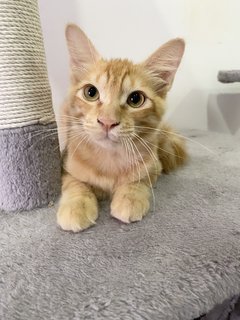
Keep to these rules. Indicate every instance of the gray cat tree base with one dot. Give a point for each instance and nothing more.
(177, 264)
(29, 167)
(30, 157)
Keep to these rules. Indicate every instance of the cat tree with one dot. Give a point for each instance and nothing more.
(171, 270)
(30, 158)
(229, 76)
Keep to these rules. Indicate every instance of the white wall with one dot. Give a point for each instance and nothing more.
(134, 28)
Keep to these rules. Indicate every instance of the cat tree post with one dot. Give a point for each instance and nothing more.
(29, 158)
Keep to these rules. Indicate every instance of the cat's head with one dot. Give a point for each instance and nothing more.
(111, 100)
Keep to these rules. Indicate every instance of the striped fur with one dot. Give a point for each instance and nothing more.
(126, 161)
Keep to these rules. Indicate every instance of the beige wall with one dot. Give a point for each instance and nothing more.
(134, 28)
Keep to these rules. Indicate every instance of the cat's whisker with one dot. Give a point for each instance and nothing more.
(45, 131)
(73, 136)
(74, 126)
(178, 135)
(149, 150)
(126, 148)
(172, 154)
(190, 140)
(58, 147)
(85, 137)
(40, 132)
(130, 159)
(123, 142)
(48, 132)
(42, 138)
(67, 116)
(48, 129)
(134, 165)
(135, 159)
(69, 122)
(69, 119)
(145, 144)
(147, 172)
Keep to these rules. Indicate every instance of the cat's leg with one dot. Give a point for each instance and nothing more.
(130, 202)
(99, 193)
(78, 208)
(172, 149)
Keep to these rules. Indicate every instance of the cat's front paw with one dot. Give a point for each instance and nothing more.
(77, 216)
(129, 207)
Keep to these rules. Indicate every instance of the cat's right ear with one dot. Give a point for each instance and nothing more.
(81, 50)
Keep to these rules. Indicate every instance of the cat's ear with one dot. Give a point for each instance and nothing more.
(164, 62)
(82, 52)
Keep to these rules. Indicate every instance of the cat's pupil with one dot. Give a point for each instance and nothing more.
(135, 97)
(92, 92)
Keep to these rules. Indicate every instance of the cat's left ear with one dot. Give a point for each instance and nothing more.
(164, 62)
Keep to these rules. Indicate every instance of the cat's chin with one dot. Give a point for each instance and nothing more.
(107, 143)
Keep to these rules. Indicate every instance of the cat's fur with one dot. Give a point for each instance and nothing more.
(123, 157)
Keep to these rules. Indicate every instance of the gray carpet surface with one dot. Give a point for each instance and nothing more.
(30, 174)
(176, 264)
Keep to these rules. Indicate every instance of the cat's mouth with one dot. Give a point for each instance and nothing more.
(110, 137)
(107, 139)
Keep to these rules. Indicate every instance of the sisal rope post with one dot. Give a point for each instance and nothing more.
(30, 157)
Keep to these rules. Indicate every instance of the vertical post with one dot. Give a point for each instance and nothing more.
(29, 152)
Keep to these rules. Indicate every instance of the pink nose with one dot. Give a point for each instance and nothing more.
(107, 124)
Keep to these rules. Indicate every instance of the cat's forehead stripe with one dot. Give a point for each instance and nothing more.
(102, 87)
(116, 80)
(103, 79)
(126, 83)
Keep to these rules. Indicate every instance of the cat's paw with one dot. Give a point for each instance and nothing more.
(129, 208)
(77, 216)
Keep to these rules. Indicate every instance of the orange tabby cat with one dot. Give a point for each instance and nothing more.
(116, 143)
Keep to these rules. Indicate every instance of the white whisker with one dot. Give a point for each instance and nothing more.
(178, 135)
(135, 162)
(145, 145)
(147, 172)
(85, 137)
(124, 144)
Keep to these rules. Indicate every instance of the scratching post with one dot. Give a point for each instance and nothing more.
(29, 158)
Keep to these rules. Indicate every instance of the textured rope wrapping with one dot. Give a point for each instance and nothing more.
(25, 96)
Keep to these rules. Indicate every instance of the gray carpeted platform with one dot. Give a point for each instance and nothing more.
(175, 265)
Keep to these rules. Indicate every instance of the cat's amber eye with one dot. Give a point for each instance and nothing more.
(90, 93)
(136, 99)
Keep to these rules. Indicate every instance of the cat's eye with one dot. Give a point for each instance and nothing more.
(90, 93)
(136, 99)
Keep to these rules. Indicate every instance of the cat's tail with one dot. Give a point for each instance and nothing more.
(172, 149)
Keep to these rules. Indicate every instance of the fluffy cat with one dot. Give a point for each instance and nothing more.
(116, 143)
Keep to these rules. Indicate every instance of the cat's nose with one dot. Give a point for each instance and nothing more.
(107, 124)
